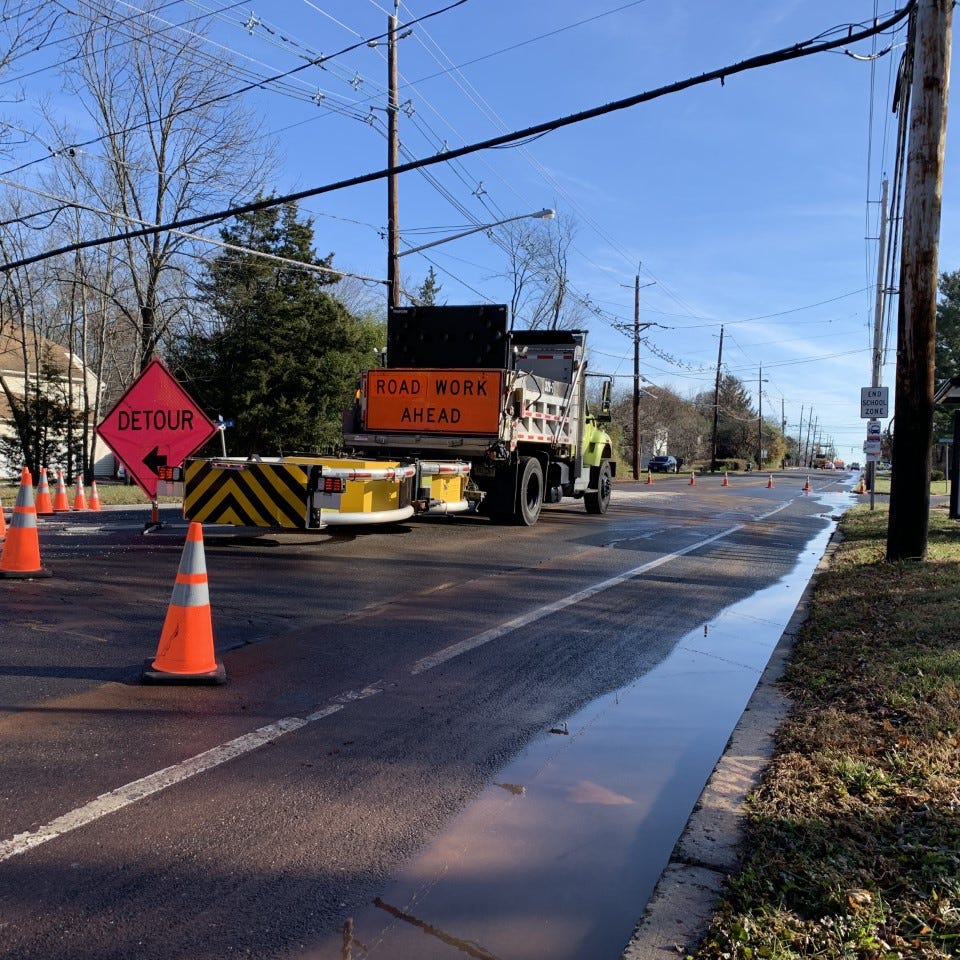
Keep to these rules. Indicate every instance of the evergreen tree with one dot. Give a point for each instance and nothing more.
(427, 294)
(736, 421)
(280, 355)
(947, 360)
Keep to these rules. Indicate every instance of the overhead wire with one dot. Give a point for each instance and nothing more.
(229, 94)
(795, 51)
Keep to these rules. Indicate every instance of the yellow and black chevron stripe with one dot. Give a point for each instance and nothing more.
(249, 494)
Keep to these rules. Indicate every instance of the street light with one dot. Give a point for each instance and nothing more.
(545, 214)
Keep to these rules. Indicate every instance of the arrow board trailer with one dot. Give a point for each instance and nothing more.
(311, 493)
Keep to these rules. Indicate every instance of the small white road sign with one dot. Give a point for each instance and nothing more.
(874, 402)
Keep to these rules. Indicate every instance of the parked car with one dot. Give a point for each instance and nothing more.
(665, 464)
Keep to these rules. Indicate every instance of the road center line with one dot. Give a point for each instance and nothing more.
(479, 639)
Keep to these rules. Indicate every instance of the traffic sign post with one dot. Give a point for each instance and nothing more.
(154, 426)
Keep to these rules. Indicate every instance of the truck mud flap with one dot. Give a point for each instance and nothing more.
(253, 494)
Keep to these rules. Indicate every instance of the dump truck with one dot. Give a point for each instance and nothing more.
(504, 412)
(462, 415)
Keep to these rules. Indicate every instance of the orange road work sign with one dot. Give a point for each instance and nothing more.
(434, 401)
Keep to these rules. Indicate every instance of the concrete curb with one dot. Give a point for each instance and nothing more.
(682, 905)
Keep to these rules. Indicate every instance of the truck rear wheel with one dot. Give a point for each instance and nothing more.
(529, 491)
(599, 500)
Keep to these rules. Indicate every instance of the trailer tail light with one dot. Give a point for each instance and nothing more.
(332, 485)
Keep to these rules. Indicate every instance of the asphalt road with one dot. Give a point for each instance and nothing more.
(380, 685)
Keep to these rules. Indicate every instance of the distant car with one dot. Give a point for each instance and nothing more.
(854, 465)
(665, 464)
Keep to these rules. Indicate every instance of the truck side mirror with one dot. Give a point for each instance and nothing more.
(605, 392)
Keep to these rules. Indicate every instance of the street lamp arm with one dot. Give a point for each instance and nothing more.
(546, 214)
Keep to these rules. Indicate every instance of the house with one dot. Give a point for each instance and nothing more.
(26, 357)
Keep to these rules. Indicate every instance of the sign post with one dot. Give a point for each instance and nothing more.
(874, 403)
(155, 425)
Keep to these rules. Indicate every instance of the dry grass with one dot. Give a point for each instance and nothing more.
(853, 845)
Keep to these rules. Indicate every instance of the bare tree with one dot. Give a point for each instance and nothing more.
(175, 144)
(538, 271)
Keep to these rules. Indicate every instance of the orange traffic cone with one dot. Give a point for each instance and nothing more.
(806, 487)
(3, 523)
(726, 481)
(60, 500)
(94, 503)
(185, 652)
(693, 479)
(649, 477)
(80, 496)
(770, 482)
(44, 505)
(21, 548)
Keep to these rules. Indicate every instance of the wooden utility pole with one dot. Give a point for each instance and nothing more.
(393, 159)
(917, 313)
(636, 378)
(760, 383)
(716, 407)
(800, 439)
(637, 327)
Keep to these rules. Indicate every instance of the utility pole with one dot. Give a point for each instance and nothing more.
(716, 407)
(783, 427)
(760, 383)
(760, 420)
(917, 313)
(636, 377)
(878, 322)
(637, 327)
(393, 159)
(800, 439)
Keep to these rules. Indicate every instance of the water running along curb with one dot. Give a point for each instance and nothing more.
(678, 914)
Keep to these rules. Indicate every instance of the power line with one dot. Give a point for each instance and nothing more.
(319, 61)
(794, 52)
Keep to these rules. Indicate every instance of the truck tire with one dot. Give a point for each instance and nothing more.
(529, 491)
(598, 500)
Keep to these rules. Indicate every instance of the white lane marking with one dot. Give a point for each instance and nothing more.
(130, 793)
(123, 796)
(479, 639)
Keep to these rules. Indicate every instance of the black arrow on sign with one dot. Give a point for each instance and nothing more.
(153, 461)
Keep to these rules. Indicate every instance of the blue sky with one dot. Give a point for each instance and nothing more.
(748, 204)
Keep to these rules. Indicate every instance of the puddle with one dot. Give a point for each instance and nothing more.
(559, 856)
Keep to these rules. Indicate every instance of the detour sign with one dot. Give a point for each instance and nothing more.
(434, 401)
(155, 424)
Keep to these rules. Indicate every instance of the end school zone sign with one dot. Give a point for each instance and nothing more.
(434, 401)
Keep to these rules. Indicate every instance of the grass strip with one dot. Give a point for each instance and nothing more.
(853, 842)
(111, 494)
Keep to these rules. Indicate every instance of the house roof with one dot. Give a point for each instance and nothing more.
(39, 349)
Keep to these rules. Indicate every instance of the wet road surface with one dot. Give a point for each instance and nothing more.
(451, 739)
